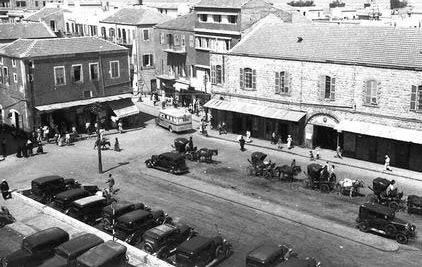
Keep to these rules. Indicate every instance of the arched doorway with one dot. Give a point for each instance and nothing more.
(14, 118)
(321, 130)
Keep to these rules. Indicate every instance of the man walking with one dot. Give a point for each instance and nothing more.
(242, 143)
(387, 164)
(289, 141)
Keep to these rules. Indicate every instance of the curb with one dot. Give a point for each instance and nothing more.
(136, 256)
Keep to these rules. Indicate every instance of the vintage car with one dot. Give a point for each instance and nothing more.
(66, 253)
(267, 255)
(108, 254)
(115, 210)
(43, 189)
(171, 162)
(380, 219)
(319, 179)
(414, 204)
(88, 209)
(36, 248)
(131, 226)
(161, 240)
(202, 251)
(62, 201)
(393, 200)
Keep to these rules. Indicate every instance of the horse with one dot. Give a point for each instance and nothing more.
(206, 154)
(103, 143)
(289, 171)
(350, 185)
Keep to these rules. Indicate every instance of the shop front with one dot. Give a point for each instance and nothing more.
(321, 131)
(260, 120)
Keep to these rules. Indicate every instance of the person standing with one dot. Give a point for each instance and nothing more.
(110, 182)
(273, 138)
(219, 128)
(279, 143)
(120, 126)
(5, 190)
(242, 143)
(289, 141)
(338, 152)
(387, 164)
(116, 145)
(3, 147)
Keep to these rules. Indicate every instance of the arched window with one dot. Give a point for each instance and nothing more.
(111, 33)
(103, 32)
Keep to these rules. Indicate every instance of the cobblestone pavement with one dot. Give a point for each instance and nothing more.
(242, 226)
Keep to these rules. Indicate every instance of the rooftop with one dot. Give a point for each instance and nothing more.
(13, 31)
(182, 23)
(26, 48)
(42, 13)
(222, 3)
(136, 16)
(343, 44)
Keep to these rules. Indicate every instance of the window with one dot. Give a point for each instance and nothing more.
(217, 18)
(36, 3)
(216, 74)
(114, 69)
(282, 82)
(203, 17)
(93, 71)
(59, 76)
(111, 33)
(53, 25)
(176, 39)
(145, 35)
(183, 40)
(162, 38)
(5, 75)
(20, 3)
(67, 27)
(1, 60)
(232, 19)
(13, 62)
(147, 60)
(327, 87)
(15, 78)
(191, 41)
(77, 73)
(416, 98)
(371, 97)
(248, 79)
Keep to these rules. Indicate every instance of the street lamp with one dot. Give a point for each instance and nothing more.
(98, 109)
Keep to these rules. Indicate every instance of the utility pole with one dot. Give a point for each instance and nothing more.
(97, 108)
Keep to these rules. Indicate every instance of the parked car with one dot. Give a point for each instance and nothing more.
(170, 161)
(88, 209)
(62, 201)
(108, 254)
(115, 210)
(43, 189)
(381, 219)
(161, 240)
(66, 253)
(202, 251)
(267, 255)
(36, 248)
(131, 226)
(414, 204)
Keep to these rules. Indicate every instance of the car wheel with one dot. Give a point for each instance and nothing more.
(149, 164)
(170, 129)
(390, 230)
(324, 188)
(363, 226)
(402, 238)
(148, 248)
(394, 205)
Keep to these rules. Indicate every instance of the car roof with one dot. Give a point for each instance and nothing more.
(194, 244)
(117, 207)
(46, 179)
(86, 200)
(100, 254)
(134, 216)
(71, 193)
(46, 236)
(378, 208)
(264, 252)
(79, 244)
(172, 155)
(161, 230)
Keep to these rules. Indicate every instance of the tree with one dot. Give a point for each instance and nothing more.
(301, 3)
(337, 3)
(395, 4)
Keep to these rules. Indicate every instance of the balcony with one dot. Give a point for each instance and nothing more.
(181, 50)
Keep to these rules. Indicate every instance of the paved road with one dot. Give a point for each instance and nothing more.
(243, 226)
(9, 241)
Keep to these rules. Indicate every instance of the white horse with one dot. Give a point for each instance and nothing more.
(348, 185)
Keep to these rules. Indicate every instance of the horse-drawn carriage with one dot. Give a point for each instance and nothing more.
(350, 187)
(393, 199)
(260, 167)
(181, 145)
(320, 178)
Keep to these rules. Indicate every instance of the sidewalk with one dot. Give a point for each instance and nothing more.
(326, 155)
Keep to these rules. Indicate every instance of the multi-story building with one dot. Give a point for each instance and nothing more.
(170, 8)
(356, 87)
(133, 28)
(52, 16)
(10, 32)
(51, 81)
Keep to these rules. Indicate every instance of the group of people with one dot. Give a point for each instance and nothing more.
(277, 140)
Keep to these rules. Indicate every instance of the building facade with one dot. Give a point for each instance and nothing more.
(365, 97)
(54, 81)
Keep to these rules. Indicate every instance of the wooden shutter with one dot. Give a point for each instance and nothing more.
(254, 79)
(367, 90)
(413, 98)
(321, 87)
(288, 82)
(241, 79)
(213, 80)
(333, 89)
(277, 82)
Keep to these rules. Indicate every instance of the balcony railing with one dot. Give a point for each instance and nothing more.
(175, 49)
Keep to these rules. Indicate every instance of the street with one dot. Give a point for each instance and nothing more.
(243, 226)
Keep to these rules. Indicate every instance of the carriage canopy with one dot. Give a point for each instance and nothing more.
(258, 157)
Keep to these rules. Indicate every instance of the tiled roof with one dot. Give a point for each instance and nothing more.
(42, 13)
(350, 44)
(182, 23)
(25, 48)
(136, 16)
(13, 31)
(222, 3)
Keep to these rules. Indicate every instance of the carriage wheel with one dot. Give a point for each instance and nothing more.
(402, 238)
(324, 188)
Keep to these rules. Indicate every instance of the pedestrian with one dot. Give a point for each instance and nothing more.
(5, 190)
(248, 137)
(67, 139)
(273, 138)
(46, 133)
(339, 152)
(317, 152)
(387, 164)
(116, 145)
(390, 188)
(40, 149)
(332, 174)
(110, 183)
(29, 146)
(293, 164)
(279, 143)
(3, 147)
(219, 128)
(87, 127)
(120, 126)
(289, 141)
(242, 143)
(223, 128)
(19, 152)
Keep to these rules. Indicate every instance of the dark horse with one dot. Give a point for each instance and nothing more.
(103, 143)
(288, 171)
(206, 154)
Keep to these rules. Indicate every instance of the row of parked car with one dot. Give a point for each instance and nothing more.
(151, 230)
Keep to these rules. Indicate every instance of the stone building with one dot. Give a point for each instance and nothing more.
(356, 87)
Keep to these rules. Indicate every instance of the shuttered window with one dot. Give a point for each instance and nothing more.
(327, 88)
(416, 98)
(248, 79)
(282, 82)
(371, 92)
(213, 81)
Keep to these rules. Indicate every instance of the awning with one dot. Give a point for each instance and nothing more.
(82, 102)
(388, 132)
(257, 110)
(123, 108)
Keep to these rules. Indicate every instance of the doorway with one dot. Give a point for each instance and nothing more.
(325, 137)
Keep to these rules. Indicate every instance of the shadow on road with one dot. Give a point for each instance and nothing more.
(117, 166)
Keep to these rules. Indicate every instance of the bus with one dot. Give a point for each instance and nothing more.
(175, 120)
